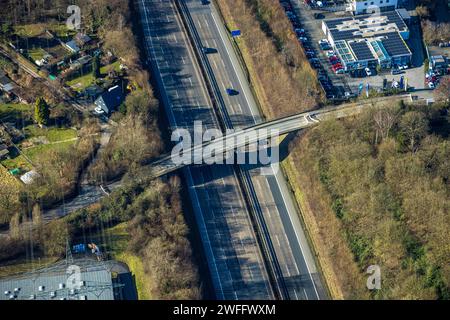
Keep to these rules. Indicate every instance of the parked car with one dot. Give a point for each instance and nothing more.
(368, 72)
(395, 71)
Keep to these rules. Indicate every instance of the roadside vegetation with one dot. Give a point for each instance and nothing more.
(283, 79)
(431, 13)
(143, 226)
(375, 189)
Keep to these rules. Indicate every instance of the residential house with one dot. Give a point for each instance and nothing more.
(110, 100)
(4, 152)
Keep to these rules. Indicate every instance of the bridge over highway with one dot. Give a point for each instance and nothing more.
(244, 137)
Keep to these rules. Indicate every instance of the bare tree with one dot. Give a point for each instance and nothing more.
(414, 126)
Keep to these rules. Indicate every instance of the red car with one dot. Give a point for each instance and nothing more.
(337, 67)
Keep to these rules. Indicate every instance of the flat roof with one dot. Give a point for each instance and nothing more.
(361, 50)
(54, 284)
(368, 25)
(344, 51)
(394, 44)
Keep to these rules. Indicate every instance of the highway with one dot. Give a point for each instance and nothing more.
(234, 258)
(276, 202)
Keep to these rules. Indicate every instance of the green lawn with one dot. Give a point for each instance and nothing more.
(114, 241)
(34, 152)
(82, 82)
(36, 54)
(113, 66)
(14, 110)
(18, 162)
(23, 265)
(57, 140)
(52, 134)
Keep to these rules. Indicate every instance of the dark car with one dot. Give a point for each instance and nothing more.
(232, 92)
(207, 50)
(205, 2)
(318, 16)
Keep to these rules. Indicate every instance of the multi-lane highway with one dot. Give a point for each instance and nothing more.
(279, 210)
(234, 258)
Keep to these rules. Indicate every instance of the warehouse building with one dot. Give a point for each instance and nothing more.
(368, 41)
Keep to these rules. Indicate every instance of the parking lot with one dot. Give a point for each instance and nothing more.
(308, 20)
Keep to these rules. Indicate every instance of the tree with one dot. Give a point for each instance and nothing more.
(5, 31)
(96, 67)
(414, 126)
(422, 12)
(37, 215)
(442, 92)
(41, 111)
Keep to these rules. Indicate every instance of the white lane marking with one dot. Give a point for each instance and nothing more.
(296, 234)
(175, 38)
(190, 82)
(307, 298)
(239, 107)
(199, 24)
(191, 181)
(206, 23)
(182, 60)
(295, 293)
(215, 64)
(278, 240)
(234, 68)
(215, 43)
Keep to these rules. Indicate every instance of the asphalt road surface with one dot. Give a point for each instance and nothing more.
(280, 213)
(233, 255)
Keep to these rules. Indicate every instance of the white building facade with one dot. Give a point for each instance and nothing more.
(372, 6)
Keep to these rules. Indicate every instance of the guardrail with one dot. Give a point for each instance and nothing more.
(271, 262)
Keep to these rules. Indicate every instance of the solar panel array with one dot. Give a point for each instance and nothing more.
(344, 52)
(394, 45)
(361, 50)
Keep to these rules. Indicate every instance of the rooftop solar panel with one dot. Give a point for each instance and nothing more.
(394, 45)
(361, 50)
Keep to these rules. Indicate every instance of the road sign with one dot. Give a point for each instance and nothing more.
(235, 33)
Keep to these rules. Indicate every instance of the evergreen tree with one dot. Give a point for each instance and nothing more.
(96, 67)
(41, 111)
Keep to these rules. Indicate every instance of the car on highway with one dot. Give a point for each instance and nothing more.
(207, 50)
(232, 92)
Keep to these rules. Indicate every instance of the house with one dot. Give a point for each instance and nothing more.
(82, 39)
(372, 6)
(110, 100)
(3, 151)
(29, 177)
(72, 46)
(5, 83)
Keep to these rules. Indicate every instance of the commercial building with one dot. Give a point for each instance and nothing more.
(81, 280)
(368, 41)
(372, 6)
